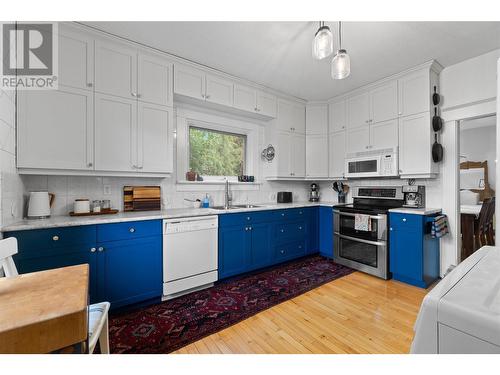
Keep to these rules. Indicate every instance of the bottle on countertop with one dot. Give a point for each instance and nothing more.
(206, 202)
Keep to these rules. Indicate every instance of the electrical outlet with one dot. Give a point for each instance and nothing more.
(107, 189)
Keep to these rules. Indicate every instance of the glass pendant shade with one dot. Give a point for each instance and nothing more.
(341, 65)
(323, 43)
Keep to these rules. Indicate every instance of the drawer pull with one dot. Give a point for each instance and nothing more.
(131, 230)
(100, 249)
(282, 214)
(300, 212)
(282, 251)
(55, 238)
(92, 249)
(282, 231)
(300, 246)
(404, 220)
(390, 228)
(300, 228)
(248, 217)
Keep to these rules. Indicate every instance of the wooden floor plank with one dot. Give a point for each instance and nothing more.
(357, 313)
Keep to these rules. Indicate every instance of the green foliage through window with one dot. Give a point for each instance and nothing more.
(214, 153)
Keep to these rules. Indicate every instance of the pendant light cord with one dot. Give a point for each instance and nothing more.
(340, 35)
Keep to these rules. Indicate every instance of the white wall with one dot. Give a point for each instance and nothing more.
(479, 144)
(11, 186)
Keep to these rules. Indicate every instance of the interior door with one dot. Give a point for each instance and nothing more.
(115, 134)
(384, 102)
(189, 82)
(384, 134)
(337, 155)
(154, 80)
(358, 110)
(219, 90)
(298, 154)
(55, 129)
(245, 98)
(76, 60)
(266, 104)
(154, 138)
(316, 150)
(115, 69)
(358, 140)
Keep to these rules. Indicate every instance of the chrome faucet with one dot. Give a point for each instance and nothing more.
(227, 196)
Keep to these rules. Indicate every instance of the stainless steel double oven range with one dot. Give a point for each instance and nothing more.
(365, 250)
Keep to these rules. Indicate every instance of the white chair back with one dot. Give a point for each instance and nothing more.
(8, 248)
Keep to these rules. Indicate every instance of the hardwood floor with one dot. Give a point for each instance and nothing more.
(354, 314)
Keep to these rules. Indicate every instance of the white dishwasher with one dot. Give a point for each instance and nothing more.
(189, 254)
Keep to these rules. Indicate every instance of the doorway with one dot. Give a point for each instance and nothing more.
(477, 181)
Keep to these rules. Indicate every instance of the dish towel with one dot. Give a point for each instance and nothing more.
(362, 222)
(439, 226)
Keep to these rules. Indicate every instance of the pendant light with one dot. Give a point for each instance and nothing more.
(323, 42)
(341, 63)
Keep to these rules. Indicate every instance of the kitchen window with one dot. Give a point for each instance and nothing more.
(214, 154)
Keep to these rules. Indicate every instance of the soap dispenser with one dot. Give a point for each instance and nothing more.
(206, 202)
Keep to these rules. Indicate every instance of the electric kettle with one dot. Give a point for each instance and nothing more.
(39, 204)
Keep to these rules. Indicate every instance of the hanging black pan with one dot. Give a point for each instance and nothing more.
(437, 150)
(435, 97)
(437, 122)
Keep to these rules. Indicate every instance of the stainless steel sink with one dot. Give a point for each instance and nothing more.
(236, 206)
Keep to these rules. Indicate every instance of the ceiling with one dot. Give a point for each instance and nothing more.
(278, 54)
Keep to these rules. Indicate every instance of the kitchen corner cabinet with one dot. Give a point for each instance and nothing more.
(337, 115)
(316, 150)
(125, 259)
(414, 255)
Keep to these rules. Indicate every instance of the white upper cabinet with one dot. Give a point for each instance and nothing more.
(358, 140)
(154, 80)
(316, 155)
(384, 134)
(115, 134)
(384, 102)
(266, 104)
(337, 115)
(317, 119)
(55, 129)
(414, 93)
(76, 59)
(115, 69)
(154, 138)
(415, 146)
(245, 98)
(337, 155)
(219, 90)
(283, 155)
(189, 81)
(291, 116)
(298, 155)
(358, 110)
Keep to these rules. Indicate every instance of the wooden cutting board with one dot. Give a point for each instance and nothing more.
(141, 198)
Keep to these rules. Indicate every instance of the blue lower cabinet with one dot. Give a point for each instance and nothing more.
(130, 271)
(260, 254)
(124, 270)
(234, 243)
(326, 231)
(288, 251)
(413, 254)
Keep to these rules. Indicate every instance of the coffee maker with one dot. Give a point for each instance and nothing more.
(314, 193)
(414, 196)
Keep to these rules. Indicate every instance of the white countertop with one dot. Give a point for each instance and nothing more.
(173, 213)
(416, 211)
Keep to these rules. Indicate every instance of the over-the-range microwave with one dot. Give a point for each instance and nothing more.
(373, 163)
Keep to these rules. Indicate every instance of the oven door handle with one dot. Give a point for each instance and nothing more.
(375, 217)
(376, 243)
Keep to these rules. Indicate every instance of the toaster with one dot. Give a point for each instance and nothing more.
(285, 197)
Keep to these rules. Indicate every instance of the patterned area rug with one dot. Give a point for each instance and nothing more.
(170, 325)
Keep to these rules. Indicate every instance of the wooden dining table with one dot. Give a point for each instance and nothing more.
(45, 312)
(468, 217)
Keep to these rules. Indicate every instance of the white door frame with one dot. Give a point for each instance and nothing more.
(450, 139)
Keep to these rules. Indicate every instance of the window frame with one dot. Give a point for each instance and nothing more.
(192, 125)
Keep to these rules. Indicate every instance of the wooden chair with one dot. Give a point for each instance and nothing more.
(489, 230)
(98, 313)
(481, 224)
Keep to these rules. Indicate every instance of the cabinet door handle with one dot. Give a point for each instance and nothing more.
(250, 228)
(131, 230)
(55, 238)
(89, 84)
(282, 251)
(282, 231)
(92, 249)
(300, 228)
(138, 95)
(207, 96)
(300, 246)
(404, 220)
(134, 94)
(203, 96)
(390, 228)
(248, 217)
(89, 165)
(100, 249)
(282, 214)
